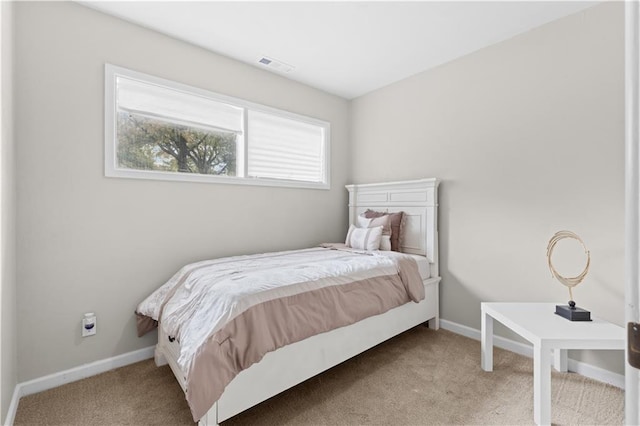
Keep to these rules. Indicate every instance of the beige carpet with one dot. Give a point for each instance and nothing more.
(420, 377)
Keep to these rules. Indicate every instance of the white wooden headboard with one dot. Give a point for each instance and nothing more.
(417, 198)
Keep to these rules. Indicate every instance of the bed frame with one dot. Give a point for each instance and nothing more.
(297, 362)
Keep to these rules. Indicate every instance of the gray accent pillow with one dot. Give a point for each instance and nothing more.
(397, 226)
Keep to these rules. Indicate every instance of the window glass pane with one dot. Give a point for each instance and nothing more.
(283, 148)
(151, 144)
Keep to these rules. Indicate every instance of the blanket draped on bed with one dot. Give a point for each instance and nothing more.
(228, 313)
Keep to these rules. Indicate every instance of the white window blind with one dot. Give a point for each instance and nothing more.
(282, 148)
(176, 106)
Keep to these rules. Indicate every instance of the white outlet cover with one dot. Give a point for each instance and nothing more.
(91, 331)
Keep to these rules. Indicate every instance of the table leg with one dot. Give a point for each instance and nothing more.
(541, 385)
(560, 361)
(486, 343)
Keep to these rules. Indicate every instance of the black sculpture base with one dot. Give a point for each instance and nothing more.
(572, 312)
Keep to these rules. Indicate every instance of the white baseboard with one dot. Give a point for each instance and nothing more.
(77, 373)
(582, 368)
(596, 373)
(13, 407)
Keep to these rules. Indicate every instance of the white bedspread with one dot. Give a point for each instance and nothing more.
(202, 297)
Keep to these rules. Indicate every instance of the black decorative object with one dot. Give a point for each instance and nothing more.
(572, 312)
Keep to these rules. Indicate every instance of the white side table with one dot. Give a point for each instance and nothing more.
(538, 323)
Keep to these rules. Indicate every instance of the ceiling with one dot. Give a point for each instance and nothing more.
(344, 48)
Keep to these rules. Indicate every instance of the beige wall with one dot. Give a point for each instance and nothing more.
(88, 243)
(528, 137)
(8, 323)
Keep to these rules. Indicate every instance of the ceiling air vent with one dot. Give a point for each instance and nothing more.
(275, 64)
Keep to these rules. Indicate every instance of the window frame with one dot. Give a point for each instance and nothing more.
(110, 159)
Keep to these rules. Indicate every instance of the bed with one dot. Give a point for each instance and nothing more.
(294, 363)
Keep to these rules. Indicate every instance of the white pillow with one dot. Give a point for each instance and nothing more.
(385, 240)
(364, 238)
(363, 222)
(385, 243)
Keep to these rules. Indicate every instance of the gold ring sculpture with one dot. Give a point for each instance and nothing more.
(571, 281)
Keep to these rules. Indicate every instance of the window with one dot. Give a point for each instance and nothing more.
(158, 129)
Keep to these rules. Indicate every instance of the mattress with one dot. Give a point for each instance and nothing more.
(423, 265)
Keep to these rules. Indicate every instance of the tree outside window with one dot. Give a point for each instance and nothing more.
(151, 144)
